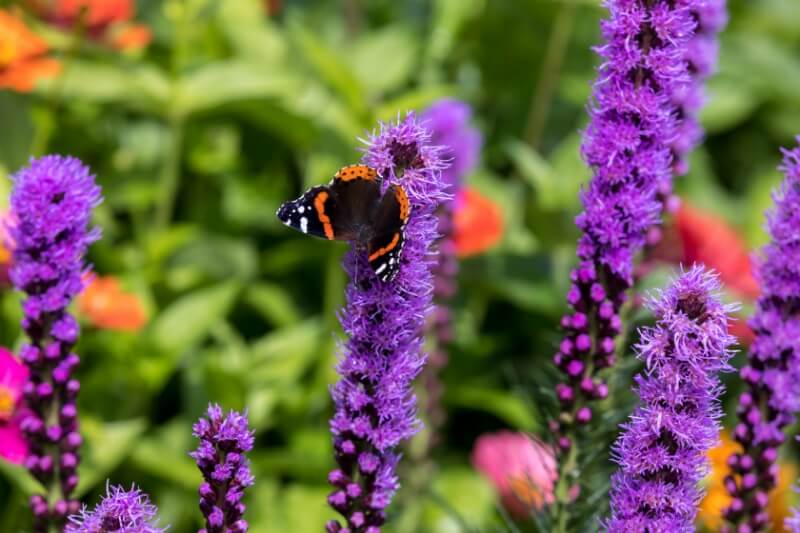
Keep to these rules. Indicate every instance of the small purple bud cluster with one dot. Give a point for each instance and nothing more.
(374, 401)
(448, 122)
(771, 400)
(120, 511)
(662, 452)
(702, 52)
(52, 201)
(224, 441)
(627, 144)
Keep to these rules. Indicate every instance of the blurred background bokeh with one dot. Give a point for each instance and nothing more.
(200, 117)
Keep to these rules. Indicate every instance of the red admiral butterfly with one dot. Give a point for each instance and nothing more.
(351, 208)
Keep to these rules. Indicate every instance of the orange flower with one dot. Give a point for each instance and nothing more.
(105, 20)
(107, 306)
(478, 223)
(709, 239)
(717, 498)
(22, 55)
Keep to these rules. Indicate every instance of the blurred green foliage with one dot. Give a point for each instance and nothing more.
(228, 112)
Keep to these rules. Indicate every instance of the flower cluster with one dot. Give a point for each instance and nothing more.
(23, 55)
(702, 52)
(52, 200)
(120, 511)
(627, 144)
(224, 441)
(772, 373)
(662, 452)
(106, 21)
(448, 123)
(521, 469)
(375, 407)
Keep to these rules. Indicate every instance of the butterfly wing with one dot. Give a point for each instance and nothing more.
(310, 213)
(385, 247)
(337, 211)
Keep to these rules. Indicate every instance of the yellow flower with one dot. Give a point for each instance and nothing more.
(717, 498)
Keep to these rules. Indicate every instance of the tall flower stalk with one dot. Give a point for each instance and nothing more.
(628, 146)
(52, 200)
(375, 406)
(221, 458)
(662, 452)
(702, 54)
(771, 399)
(448, 121)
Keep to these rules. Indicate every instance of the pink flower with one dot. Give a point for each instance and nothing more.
(13, 375)
(523, 470)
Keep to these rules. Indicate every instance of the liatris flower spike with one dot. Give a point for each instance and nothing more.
(662, 452)
(449, 124)
(771, 400)
(224, 441)
(375, 407)
(120, 511)
(52, 200)
(627, 145)
(702, 52)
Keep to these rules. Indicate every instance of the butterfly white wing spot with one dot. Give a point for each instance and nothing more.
(380, 269)
(304, 225)
(301, 209)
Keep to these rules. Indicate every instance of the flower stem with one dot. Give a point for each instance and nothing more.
(170, 175)
(556, 50)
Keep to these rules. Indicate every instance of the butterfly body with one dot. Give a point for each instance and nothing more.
(352, 208)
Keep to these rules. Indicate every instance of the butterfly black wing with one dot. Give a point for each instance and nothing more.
(310, 213)
(337, 211)
(385, 247)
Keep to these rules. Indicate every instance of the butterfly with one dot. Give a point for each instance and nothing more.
(352, 208)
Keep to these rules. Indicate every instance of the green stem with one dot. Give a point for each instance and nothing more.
(556, 50)
(170, 176)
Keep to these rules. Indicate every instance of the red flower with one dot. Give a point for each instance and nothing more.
(13, 375)
(107, 306)
(709, 239)
(23, 59)
(478, 223)
(108, 21)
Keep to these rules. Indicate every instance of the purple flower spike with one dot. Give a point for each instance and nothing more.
(662, 450)
(702, 52)
(224, 441)
(52, 200)
(120, 511)
(771, 399)
(448, 121)
(628, 147)
(449, 124)
(375, 406)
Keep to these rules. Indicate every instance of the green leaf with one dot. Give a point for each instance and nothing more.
(134, 86)
(219, 257)
(107, 445)
(331, 68)
(274, 303)
(367, 59)
(216, 84)
(505, 405)
(169, 445)
(18, 476)
(16, 135)
(188, 320)
(460, 499)
(730, 103)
